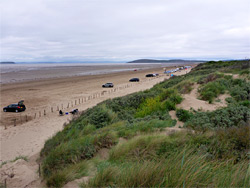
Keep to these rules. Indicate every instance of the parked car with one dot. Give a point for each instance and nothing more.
(19, 107)
(108, 85)
(134, 80)
(149, 75)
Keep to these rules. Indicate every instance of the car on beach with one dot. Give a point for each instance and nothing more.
(19, 107)
(108, 85)
(149, 75)
(134, 80)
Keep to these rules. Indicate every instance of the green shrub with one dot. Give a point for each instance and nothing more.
(183, 115)
(148, 107)
(211, 90)
(101, 116)
(169, 105)
(243, 72)
(176, 99)
(245, 103)
(240, 93)
(233, 115)
(231, 143)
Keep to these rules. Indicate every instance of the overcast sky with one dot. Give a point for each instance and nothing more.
(117, 30)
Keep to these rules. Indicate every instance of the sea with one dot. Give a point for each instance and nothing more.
(35, 71)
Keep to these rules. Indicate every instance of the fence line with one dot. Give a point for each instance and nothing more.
(75, 102)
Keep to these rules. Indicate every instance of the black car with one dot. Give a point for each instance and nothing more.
(149, 75)
(108, 85)
(134, 80)
(19, 107)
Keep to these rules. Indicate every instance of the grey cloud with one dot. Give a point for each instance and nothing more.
(54, 30)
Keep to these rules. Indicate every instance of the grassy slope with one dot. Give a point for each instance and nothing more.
(215, 154)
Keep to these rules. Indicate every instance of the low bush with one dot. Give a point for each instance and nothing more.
(183, 115)
(101, 116)
(184, 87)
(233, 115)
(211, 90)
(148, 107)
(209, 78)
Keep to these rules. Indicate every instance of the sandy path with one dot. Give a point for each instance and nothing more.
(191, 101)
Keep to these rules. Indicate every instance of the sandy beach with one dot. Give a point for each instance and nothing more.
(43, 99)
(38, 122)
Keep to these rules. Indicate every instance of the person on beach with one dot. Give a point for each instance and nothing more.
(61, 113)
(75, 111)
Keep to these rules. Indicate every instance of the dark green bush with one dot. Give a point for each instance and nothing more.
(183, 115)
(101, 117)
(169, 105)
(211, 90)
(233, 115)
(231, 143)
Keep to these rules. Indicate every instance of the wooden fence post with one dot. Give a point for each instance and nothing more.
(44, 113)
(51, 109)
(68, 105)
(21, 119)
(39, 170)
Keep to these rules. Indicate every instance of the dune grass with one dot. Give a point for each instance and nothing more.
(211, 152)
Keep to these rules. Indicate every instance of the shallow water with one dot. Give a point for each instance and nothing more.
(23, 72)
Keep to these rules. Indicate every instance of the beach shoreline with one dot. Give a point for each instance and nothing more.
(26, 139)
(43, 99)
(32, 72)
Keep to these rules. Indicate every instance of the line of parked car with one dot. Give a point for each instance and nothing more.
(19, 107)
(110, 85)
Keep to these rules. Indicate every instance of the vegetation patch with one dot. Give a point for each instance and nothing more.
(213, 155)
(183, 115)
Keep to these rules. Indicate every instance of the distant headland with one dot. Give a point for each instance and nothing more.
(166, 61)
(7, 62)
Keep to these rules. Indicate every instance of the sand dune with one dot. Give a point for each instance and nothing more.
(28, 138)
